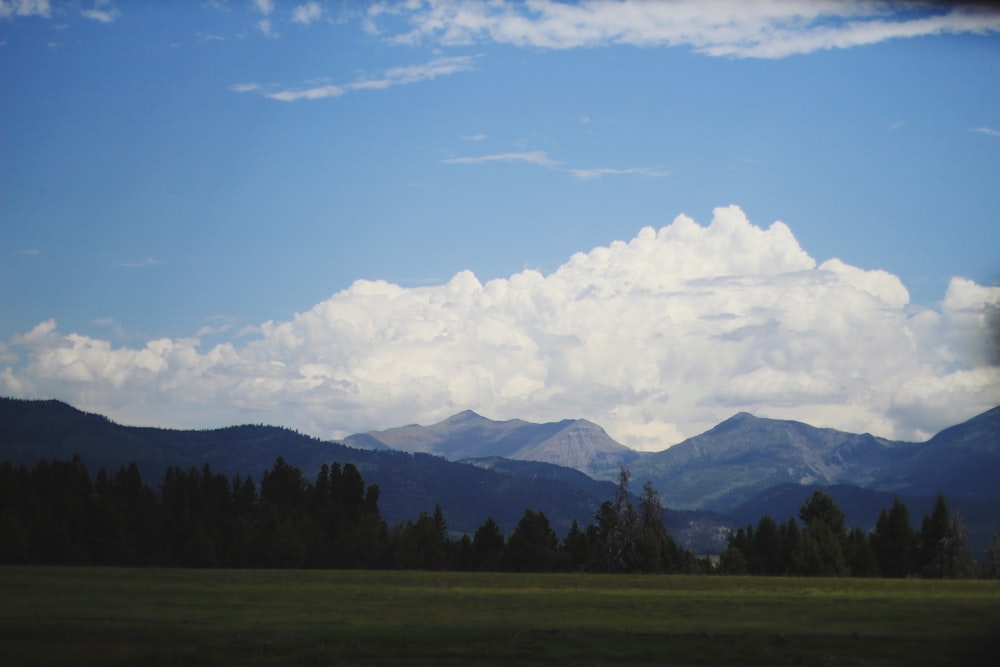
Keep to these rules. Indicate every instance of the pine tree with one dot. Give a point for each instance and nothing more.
(532, 545)
(894, 542)
(820, 551)
(488, 545)
(935, 531)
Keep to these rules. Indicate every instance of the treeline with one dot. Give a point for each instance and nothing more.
(55, 513)
(824, 546)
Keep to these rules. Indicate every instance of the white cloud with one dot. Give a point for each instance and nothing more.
(397, 76)
(734, 28)
(140, 264)
(265, 7)
(592, 174)
(989, 131)
(655, 339)
(245, 87)
(102, 11)
(539, 158)
(11, 8)
(542, 159)
(266, 27)
(307, 13)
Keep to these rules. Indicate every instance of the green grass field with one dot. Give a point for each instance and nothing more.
(106, 616)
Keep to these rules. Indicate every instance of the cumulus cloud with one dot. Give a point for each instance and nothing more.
(656, 339)
(396, 76)
(732, 28)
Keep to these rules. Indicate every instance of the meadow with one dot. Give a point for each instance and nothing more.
(111, 616)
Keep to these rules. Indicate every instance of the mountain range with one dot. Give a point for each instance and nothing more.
(573, 443)
(475, 467)
(732, 462)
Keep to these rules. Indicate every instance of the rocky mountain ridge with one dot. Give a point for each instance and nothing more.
(573, 443)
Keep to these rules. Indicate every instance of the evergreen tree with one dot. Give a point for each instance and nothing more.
(935, 532)
(820, 551)
(488, 544)
(958, 561)
(423, 544)
(575, 548)
(861, 561)
(765, 549)
(894, 543)
(532, 545)
(655, 551)
(617, 524)
(992, 564)
(788, 540)
(465, 557)
(733, 559)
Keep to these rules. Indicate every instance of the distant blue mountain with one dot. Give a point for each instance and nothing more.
(574, 443)
(745, 455)
(725, 477)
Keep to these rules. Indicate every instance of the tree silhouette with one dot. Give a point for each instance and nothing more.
(894, 543)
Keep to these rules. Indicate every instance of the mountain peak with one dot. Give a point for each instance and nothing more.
(465, 416)
(739, 420)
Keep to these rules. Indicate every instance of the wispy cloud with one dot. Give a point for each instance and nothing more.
(245, 87)
(216, 324)
(542, 159)
(396, 76)
(29, 251)
(733, 28)
(989, 131)
(592, 174)
(141, 264)
(539, 158)
(117, 330)
(267, 28)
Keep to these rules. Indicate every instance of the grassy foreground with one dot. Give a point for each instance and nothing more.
(107, 616)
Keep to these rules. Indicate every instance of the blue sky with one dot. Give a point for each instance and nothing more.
(217, 212)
